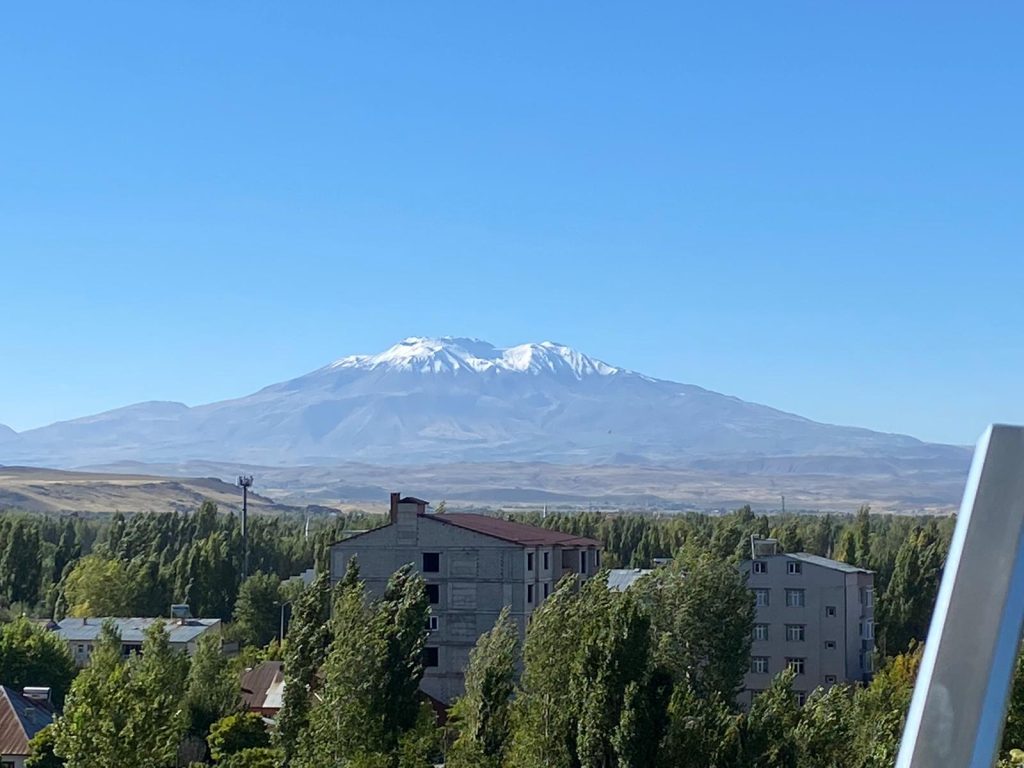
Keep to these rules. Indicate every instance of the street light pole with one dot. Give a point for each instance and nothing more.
(245, 481)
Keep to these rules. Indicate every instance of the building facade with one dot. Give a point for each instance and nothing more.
(814, 616)
(474, 566)
(81, 635)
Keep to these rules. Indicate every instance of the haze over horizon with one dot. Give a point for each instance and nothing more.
(813, 208)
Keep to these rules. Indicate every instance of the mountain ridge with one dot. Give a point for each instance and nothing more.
(442, 399)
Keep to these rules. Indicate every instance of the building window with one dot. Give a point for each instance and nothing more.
(830, 645)
(867, 597)
(547, 589)
(794, 598)
(867, 630)
(431, 562)
(762, 598)
(597, 559)
(430, 657)
(830, 611)
(830, 679)
(760, 632)
(794, 568)
(759, 566)
(81, 649)
(434, 593)
(797, 665)
(583, 561)
(529, 593)
(795, 633)
(547, 561)
(432, 623)
(865, 661)
(801, 698)
(529, 562)
(759, 665)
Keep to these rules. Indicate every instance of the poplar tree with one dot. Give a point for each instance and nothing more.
(482, 716)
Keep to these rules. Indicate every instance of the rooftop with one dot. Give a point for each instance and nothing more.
(263, 686)
(825, 562)
(517, 533)
(20, 720)
(132, 630)
(621, 579)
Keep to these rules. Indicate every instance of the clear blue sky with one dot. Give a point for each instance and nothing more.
(817, 206)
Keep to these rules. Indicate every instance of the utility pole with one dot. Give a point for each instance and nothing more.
(783, 504)
(245, 481)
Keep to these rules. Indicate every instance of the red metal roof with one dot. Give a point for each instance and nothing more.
(517, 533)
(256, 682)
(20, 720)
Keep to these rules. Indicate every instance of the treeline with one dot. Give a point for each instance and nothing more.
(640, 679)
(142, 564)
(906, 553)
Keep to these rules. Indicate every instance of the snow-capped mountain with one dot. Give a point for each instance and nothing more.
(451, 355)
(455, 399)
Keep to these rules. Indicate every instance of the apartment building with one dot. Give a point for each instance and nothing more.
(814, 616)
(474, 565)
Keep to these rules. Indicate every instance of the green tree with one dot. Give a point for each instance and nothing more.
(905, 610)
(258, 609)
(211, 689)
(258, 757)
(100, 587)
(124, 714)
(21, 565)
(543, 715)
(156, 681)
(41, 754)
(236, 733)
(308, 639)
(768, 731)
(701, 732)
(482, 715)
(369, 695)
(32, 655)
(702, 615)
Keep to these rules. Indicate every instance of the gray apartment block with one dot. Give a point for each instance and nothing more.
(474, 565)
(814, 615)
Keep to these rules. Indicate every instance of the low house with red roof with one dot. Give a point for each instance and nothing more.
(22, 716)
(474, 565)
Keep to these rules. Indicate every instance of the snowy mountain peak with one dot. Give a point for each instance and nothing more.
(449, 354)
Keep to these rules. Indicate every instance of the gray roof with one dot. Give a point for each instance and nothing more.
(621, 579)
(824, 562)
(133, 629)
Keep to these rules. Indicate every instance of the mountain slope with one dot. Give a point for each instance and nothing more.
(454, 399)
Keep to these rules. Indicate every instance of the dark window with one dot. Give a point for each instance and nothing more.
(547, 589)
(431, 623)
(759, 566)
(797, 665)
(830, 610)
(529, 561)
(434, 593)
(430, 657)
(431, 562)
(830, 645)
(597, 559)
(529, 593)
(583, 562)
(547, 560)
(801, 698)
(794, 567)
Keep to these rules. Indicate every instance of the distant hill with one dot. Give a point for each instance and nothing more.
(463, 400)
(50, 490)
